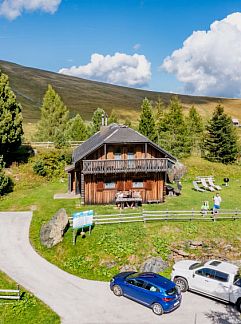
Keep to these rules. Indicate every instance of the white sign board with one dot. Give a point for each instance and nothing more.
(83, 219)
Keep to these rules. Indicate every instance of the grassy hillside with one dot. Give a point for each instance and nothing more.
(85, 96)
(110, 247)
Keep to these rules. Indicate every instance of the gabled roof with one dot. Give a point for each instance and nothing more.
(114, 134)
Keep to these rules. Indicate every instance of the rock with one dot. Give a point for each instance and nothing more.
(180, 252)
(228, 247)
(52, 233)
(154, 264)
(127, 267)
(108, 264)
(196, 243)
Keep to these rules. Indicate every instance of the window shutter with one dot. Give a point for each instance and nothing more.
(128, 184)
(148, 185)
(100, 186)
(120, 185)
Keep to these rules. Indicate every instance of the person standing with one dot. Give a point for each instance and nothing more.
(217, 201)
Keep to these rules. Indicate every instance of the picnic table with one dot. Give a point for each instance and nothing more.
(128, 201)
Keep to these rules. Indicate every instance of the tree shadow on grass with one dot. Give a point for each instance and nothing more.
(229, 316)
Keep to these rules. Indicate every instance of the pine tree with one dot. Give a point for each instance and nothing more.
(147, 123)
(220, 143)
(97, 120)
(76, 129)
(54, 118)
(11, 130)
(195, 126)
(173, 131)
(113, 118)
(127, 122)
(160, 114)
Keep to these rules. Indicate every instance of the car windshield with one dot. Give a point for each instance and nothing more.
(237, 280)
(196, 265)
(133, 275)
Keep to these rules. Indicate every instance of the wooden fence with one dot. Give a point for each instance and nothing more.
(51, 144)
(10, 293)
(164, 215)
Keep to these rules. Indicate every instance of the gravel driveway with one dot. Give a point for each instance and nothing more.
(83, 301)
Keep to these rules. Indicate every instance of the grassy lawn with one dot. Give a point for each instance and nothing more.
(27, 310)
(110, 247)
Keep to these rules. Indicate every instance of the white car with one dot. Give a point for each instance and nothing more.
(216, 279)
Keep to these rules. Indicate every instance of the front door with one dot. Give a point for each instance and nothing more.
(202, 279)
(135, 290)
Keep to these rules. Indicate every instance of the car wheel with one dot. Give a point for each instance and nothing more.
(181, 283)
(238, 304)
(157, 309)
(117, 290)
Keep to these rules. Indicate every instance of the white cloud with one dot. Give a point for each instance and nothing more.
(11, 9)
(209, 63)
(137, 46)
(122, 69)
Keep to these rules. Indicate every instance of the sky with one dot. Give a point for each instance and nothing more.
(178, 46)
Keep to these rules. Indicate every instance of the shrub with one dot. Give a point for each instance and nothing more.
(6, 183)
(52, 164)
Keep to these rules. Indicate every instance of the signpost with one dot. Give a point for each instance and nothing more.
(82, 220)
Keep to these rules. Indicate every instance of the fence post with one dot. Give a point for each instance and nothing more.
(166, 214)
(236, 213)
(192, 214)
(18, 291)
(73, 237)
(143, 217)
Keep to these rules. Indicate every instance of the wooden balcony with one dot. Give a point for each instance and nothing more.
(124, 166)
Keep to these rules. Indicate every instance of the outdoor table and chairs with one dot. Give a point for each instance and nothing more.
(128, 199)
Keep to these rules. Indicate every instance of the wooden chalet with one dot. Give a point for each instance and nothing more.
(118, 159)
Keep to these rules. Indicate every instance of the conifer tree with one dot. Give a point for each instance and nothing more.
(11, 130)
(160, 114)
(127, 122)
(147, 125)
(173, 131)
(220, 143)
(113, 118)
(195, 126)
(76, 129)
(97, 119)
(54, 118)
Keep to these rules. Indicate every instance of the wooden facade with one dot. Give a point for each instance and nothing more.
(115, 165)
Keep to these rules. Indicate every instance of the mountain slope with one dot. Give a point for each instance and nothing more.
(84, 96)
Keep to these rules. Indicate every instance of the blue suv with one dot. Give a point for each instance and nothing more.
(148, 288)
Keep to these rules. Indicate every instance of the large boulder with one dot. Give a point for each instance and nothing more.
(154, 264)
(52, 233)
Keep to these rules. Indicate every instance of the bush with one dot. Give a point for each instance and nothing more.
(6, 183)
(52, 164)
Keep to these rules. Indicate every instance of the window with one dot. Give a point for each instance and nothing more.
(206, 272)
(172, 291)
(221, 276)
(136, 282)
(109, 185)
(117, 154)
(137, 183)
(215, 263)
(237, 281)
(151, 287)
(196, 265)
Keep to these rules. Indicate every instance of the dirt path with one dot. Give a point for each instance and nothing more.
(83, 301)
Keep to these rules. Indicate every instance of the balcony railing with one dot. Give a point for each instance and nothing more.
(120, 166)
